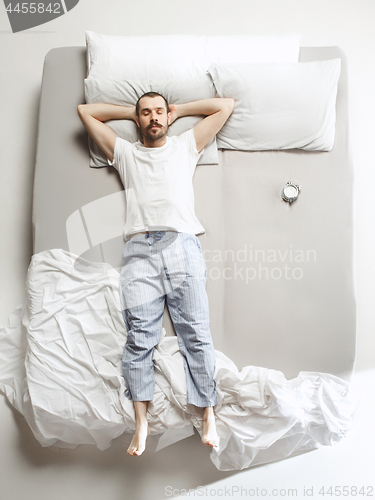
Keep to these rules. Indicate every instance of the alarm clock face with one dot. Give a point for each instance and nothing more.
(290, 191)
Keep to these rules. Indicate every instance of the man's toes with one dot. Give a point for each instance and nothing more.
(214, 442)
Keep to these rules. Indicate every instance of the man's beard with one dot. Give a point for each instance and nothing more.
(154, 136)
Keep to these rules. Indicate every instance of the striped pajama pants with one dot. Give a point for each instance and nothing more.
(157, 267)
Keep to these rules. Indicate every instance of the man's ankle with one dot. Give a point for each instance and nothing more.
(139, 422)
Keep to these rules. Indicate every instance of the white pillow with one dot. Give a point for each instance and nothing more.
(252, 49)
(279, 106)
(145, 57)
(178, 56)
(126, 93)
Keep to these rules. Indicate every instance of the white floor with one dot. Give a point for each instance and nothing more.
(86, 472)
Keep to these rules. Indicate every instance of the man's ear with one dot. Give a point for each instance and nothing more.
(137, 121)
(169, 118)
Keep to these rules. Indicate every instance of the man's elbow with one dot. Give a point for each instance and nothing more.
(80, 109)
(228, 104)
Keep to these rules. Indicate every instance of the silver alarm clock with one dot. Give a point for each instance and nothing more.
(291, 191)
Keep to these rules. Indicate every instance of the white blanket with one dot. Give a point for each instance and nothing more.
(60, 366)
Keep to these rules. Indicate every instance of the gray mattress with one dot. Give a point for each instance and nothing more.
(296, 310)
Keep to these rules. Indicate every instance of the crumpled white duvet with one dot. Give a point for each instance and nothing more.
(60, 366)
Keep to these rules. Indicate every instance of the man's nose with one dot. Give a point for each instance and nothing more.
(154, 117)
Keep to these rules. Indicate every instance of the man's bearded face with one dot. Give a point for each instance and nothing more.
(153, 119)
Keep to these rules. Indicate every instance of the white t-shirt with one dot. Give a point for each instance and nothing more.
(158, 184)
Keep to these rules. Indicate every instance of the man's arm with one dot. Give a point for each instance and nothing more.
(217, 111)
(92, 116)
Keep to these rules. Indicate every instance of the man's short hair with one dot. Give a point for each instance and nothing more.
(151, 94)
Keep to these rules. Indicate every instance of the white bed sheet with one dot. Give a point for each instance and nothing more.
(60, 366)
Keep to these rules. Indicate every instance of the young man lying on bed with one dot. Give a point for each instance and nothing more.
(162, 259)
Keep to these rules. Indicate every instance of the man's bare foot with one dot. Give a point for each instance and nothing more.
(210, 436)
(142, 430)
(138, 444)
